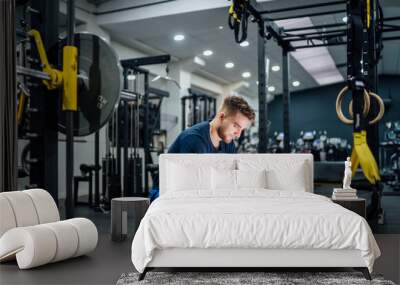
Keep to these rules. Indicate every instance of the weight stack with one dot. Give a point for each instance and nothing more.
(111, 180)
(135, 182)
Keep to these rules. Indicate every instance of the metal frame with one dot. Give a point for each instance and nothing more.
(262, 94)
(285, 38)
(69, 120)
(44, 116)
(132, 96)
(149, 94)
(136, 62)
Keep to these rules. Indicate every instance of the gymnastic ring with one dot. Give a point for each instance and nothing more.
(381, 108)
(339, 100)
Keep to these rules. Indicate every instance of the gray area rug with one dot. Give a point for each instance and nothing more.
(229, 278)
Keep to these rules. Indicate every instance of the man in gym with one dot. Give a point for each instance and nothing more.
(217, 135)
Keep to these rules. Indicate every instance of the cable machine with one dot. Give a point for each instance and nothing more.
(131, 134)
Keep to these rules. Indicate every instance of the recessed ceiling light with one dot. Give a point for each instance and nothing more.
(246, 74)
(344, 19)
(257, 82)
(199, 61)
(296, 83)
(275, 68)
(179, 37)
(220, 27)
(229, 65)
(131, 77)
(244, 44)
(207, 52)
(271, 88)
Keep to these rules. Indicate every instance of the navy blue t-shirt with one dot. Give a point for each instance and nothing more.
(196, 139)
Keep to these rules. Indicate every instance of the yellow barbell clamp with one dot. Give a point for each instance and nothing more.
(68, 77)
(21, 105)
(70, 74)
(56, 76)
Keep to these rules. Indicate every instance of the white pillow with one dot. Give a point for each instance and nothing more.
(282, 174)
(290, 180)
(251, 178)
(223, 179)
(187, 177)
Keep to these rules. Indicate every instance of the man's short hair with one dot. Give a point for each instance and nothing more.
(233, 104)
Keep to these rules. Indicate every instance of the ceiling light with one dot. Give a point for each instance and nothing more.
(246, 74)
(257, 82)
(199, 61)
(296, 83)
(344, 19)
(131, 77)
(207, 52)
(271, 88)
(229, 65)
(179, 37)
(244, 44)
(220, 27)
(275, 68)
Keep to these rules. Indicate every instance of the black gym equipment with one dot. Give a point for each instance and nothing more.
(196, 108)
(285, 38)
(133, 134)
(41, 114)
(86, 176)
(390, 158)
(99, 85)
(357, 40)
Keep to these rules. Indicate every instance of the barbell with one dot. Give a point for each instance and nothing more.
(99, 83)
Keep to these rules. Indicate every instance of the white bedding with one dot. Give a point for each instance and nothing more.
(251, 218)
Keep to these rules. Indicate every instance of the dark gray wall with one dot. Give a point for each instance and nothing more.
(314, 109)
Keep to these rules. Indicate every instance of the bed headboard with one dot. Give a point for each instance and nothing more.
(266, 159)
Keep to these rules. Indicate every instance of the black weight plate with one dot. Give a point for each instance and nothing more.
(99, 91)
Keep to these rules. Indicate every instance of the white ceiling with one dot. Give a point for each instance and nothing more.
(201, 32)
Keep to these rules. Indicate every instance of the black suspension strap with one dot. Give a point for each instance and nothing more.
(238, 19)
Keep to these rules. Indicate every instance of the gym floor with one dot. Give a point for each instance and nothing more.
(110, 259)
(103, 266)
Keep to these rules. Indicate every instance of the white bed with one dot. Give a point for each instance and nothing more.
(247, 210)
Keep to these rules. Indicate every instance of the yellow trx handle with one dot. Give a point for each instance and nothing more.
(233, 13)
(70, 74)
(362, 156)
(55, 75)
